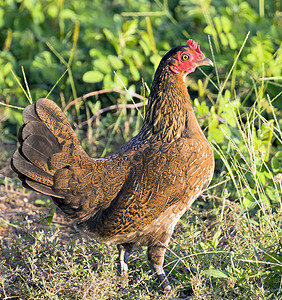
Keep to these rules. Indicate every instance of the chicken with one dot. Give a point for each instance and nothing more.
(138, 194)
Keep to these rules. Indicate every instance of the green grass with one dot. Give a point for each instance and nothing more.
(215, 253)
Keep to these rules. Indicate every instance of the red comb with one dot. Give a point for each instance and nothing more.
(194, 45)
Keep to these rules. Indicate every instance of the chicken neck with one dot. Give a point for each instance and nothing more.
(169, 113)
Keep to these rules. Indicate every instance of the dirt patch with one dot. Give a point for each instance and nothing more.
(21, 209)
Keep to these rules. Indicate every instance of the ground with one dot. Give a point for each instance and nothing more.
(19, 205)
(216, 252)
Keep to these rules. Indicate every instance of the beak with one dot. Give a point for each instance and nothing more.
(204, 62)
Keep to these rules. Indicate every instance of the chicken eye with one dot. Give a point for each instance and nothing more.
(185, 57)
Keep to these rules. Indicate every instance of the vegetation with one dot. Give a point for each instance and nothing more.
(229, 245)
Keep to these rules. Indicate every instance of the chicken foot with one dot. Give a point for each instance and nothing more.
(156, 258)
(124, 252)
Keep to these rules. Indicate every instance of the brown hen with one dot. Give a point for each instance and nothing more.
(139, 193)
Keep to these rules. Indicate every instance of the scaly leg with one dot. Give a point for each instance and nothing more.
(124, 252)
(156, 258)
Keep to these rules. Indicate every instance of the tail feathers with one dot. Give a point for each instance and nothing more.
(55, 120)
(51, 161)
(28, 170)
(29, 114)
(38, 128)
(45, 134)
(38, 149)
(44, 189)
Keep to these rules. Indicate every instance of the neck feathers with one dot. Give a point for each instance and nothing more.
(169, 112)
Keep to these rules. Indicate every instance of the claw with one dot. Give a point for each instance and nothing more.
(124, 253)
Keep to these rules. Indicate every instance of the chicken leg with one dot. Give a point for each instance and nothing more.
(156, 254)
(124, 252)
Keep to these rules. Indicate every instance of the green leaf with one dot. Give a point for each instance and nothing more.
(275, 164)
(115, 62)
(272, 195)
(120, 80)
(215, 273)
(130, 28)
(102, 64)
(216, 135)
(261, 177)
(210, 30)
(226, 24)
(232, 40)
(134, 71)
(145, 47)
(39, 202)
(248, 200)
(92, 76)
(223, 39)
(49, 219)
(109, 35)
(94, 107)
(108, 82)
(217, 24)
(268, 175)
(68, 14)
(216, 238)
(53, 11)
(213, 121)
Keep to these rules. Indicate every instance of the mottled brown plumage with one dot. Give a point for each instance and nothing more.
(139, 193)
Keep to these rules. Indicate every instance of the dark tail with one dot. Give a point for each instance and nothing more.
(47, 144)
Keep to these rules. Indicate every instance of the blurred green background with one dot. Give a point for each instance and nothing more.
(94, 39)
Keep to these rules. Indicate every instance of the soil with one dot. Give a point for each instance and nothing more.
(21, 208)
